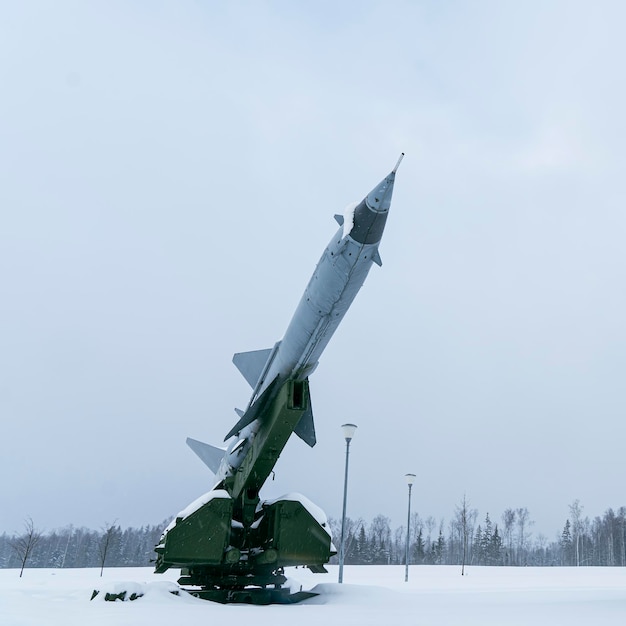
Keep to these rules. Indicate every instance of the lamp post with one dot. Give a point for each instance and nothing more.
(410, 479)
(348, 433)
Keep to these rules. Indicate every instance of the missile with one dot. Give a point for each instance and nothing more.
(279, 406)
(337, 278)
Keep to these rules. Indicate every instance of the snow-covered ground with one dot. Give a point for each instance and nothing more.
(434, 595)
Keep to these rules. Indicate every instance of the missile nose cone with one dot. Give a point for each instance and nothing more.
(371, 214)
(379, 199)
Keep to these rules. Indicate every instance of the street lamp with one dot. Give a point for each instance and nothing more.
(410, 479)
(348, 433)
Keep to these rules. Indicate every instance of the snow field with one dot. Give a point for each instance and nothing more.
(434, 596)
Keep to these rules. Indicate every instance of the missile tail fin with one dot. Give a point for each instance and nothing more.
(251, 364)
(209, 455)
(306, 428)
(254, 411)
(376, 258)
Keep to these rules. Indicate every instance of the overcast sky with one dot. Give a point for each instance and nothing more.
(169, 173)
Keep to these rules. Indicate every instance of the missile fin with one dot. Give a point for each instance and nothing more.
(251, 364)
(305, 428)
(239, 412)
(376, 258)
(339, 219)
(254, 411)
(209, 455)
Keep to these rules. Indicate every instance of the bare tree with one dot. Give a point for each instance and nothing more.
(67, 543)
(464, 517)
(523, 534)
(380, 539)
(108, 534)
(622, 523)
(416, 525)
(576, 511)
(350, 536)
(26, 543)
(430, 526)
(508, 519)
(541, 543)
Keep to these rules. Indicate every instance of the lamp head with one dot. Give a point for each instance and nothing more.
(410, 479)
(348, 431)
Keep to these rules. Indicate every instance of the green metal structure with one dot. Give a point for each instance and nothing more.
(233, 548)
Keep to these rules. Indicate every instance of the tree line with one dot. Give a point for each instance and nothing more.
(466, 539)
(111, 546)
(469, 540)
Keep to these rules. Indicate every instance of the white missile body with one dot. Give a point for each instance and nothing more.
(337, 278)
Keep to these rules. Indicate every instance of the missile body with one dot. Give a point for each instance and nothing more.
(337, 278)
(279, 405)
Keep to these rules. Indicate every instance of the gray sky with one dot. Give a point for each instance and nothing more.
(168, 176)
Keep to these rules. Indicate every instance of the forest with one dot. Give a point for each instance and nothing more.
(467, 539)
